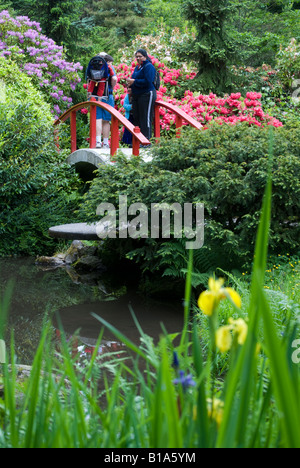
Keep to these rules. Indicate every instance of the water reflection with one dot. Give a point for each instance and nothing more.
(149, 314)
(39, 292)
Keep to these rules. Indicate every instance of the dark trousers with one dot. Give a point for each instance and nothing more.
(143, 112)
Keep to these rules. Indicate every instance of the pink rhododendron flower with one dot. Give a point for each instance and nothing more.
(41, 58)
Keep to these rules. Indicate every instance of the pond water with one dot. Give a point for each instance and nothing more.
(70, 299)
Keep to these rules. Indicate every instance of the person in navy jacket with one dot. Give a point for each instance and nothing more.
(143, 93)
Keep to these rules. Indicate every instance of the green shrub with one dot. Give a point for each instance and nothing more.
(35, 181)
(225, 167)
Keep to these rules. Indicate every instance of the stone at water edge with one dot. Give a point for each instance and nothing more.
(52, 262)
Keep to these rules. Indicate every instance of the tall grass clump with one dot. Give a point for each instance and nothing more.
(234, 384)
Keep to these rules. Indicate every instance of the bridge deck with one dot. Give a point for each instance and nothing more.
(100, 156)
(87, 160)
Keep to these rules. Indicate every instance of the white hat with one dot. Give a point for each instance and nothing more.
(106, 56)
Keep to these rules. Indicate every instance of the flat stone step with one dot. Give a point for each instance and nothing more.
(75, 231)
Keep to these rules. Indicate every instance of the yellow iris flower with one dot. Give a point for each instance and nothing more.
(240, 328)
(209, 300)
(224, 335)
(216, 410)
(224, 338)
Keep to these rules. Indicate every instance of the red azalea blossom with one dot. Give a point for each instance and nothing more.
(230, 109)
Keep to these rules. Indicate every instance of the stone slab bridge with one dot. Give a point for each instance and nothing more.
(87, 160)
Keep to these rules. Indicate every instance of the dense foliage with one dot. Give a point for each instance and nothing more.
(234, 377)
(226, 169)
(36, 185)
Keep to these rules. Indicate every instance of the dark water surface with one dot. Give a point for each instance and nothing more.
(38, 292)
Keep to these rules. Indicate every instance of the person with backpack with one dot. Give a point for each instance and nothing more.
(143, 92)
(102, 79)
(104, 117)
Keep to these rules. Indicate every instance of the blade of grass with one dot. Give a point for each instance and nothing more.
(32, 400)
(4, 310)
(79, 423)
(112, 419)
(187, 298)
(166, 429)
(202, 414)
(4, 307)
(10, 380)
(285, 391)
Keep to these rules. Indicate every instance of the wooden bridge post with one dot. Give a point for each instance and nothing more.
(93, 112)
(178, 123)
(156, 123)
(73, 131)
(114, 132)
(56, 138)
(135, 142)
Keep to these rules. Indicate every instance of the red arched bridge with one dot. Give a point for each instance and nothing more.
(118, 119)
(92, 157)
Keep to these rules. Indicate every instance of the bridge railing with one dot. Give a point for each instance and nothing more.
(117, 118)
(180, 117)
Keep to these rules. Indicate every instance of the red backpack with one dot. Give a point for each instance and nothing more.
(97, 74)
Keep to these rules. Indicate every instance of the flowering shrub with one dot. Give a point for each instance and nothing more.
(162, 44)
(264, 78)
(40, 58)
(204, 108)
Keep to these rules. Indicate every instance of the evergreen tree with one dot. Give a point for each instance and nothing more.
(211, 49)
(126, 17)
